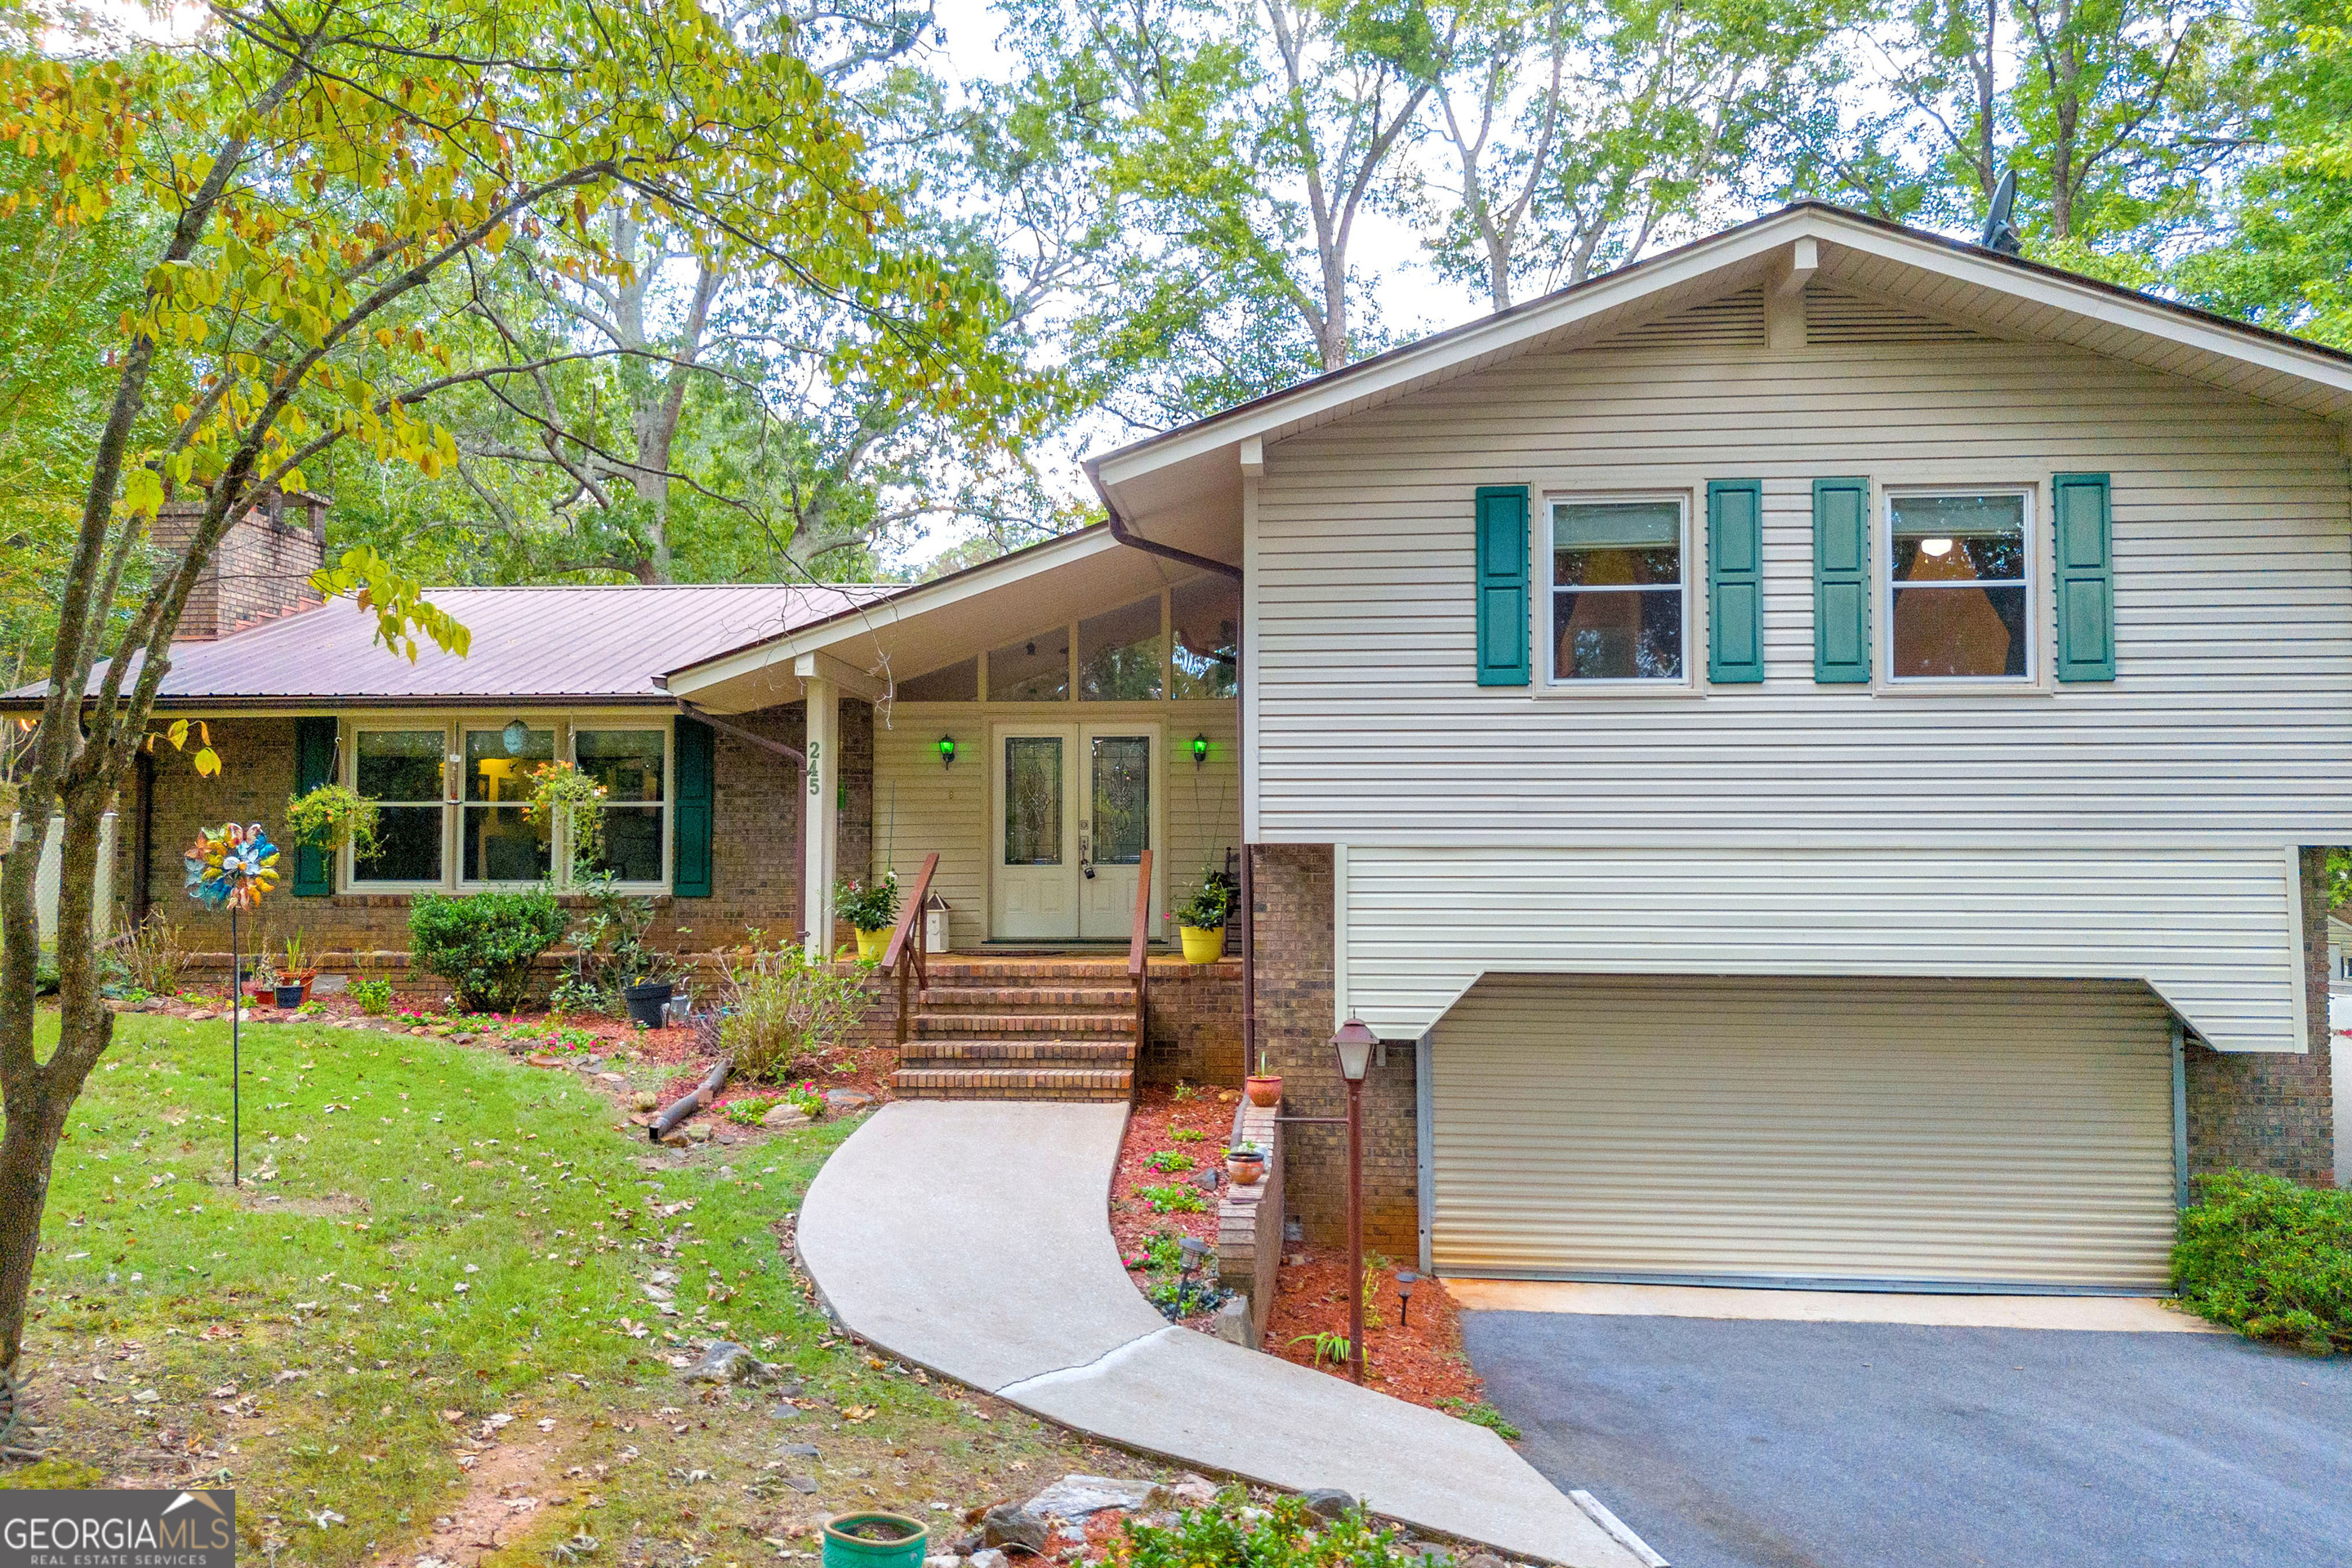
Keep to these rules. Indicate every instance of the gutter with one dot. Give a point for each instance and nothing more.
(1119, 531)
(798, 759)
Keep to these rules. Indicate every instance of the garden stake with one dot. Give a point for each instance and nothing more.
(235, 1012)
(231, 866)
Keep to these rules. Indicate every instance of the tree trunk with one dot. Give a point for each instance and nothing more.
(28, 1146)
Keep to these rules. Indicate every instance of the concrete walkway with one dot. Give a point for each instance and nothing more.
(972, 1240)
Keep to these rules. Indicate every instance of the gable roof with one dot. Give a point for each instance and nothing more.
(1162, 484)
(565, 644)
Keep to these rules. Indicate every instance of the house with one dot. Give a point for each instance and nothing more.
(1808, 751)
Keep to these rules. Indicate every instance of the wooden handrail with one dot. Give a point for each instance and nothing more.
(1139, 971)
(904, 941)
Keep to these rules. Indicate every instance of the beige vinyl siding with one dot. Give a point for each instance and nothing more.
(1977, 1133)
(2226, 737)
(919, 806)
(2212, 931)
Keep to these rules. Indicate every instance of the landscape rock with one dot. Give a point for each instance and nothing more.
(804, 1485)
(1011, 1526)
(1208, 1180)
(1193, 1491)
(943, 1559)
(1081, 1497)
(645, 1099)
(985, 1557)
(727, 1362)
(798, 1451)
(1327, 1502)
(1485, 1560)
(784, 1114)
(1432, 1554)
(676, 1138)
(847, 1098)
(698, 1132)
(1235, 1326)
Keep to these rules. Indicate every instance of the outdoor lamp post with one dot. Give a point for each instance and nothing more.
(1354, 1044)
(1406, 1280)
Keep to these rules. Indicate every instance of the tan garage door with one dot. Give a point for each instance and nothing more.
(1962, 1132)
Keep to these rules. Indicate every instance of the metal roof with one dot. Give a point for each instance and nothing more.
(559, 645)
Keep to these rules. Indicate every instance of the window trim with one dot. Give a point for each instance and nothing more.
(453, 724)
(1883, 677)
(570, 747)
(348, 857)
(1542, 606)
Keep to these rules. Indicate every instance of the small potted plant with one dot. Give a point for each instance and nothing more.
(296, 970)
(1263, 1087)
(871, 911)
(1200, 919)
(262, 987)
(1245, 1163)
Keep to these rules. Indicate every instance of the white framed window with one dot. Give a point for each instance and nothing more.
(497, 844)
(1958, 586)
(450, 794)
(406, 772)
(633, 763)
(1620, 610)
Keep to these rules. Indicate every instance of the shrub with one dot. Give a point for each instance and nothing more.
(483, 943)
(782, 1011)
(2268, 1258)
(372, 997)
(1284, 1536)
(610, 949)
(148, 957)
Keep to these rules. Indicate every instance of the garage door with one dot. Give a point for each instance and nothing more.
(1967, 1133)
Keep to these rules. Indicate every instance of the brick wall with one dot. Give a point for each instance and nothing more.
(261, 569)
(2264, 1111)
(756, 849)
(1195, 1033)
(1293, 917)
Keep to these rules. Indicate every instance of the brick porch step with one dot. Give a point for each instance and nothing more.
(1072, 1053)
(1015, 1083)
(1024, 998)
(1079, 1025)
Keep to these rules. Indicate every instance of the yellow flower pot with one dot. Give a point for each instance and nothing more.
(872, 944)
(1202, 945)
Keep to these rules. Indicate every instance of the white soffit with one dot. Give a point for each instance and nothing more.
(1957, 282)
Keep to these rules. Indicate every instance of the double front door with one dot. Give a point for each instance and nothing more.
(1074, 809)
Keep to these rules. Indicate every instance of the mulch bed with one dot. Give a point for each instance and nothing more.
(1421, 1361)
(1159, 1113)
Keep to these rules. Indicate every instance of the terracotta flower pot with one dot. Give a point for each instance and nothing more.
(1245, 1170)
(1264, 1093)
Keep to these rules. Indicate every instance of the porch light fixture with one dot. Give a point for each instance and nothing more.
(1353, 1044)
(515, 737)
(1200, 750)
(1937, 547)
(947, 750)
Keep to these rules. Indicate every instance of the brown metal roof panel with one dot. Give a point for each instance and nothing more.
(564, 642)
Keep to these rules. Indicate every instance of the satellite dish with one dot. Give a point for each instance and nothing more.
(1998, 233)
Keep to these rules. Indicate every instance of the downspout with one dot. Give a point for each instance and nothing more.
(1120, 532)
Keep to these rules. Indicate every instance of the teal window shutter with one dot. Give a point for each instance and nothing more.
(692, 811)
(314, 764)
(1841, 581)
(1735, 581)
(1502, 524)
(2082, 513)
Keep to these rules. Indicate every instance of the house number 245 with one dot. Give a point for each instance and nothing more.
(816, 781)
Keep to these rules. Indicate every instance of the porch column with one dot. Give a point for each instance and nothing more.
(821, 819)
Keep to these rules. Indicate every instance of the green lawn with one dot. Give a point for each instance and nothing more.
(431, 1234)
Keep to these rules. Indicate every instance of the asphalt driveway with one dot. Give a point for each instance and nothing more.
(1775, 1445)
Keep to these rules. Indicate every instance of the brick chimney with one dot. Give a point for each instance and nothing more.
(262, 569)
